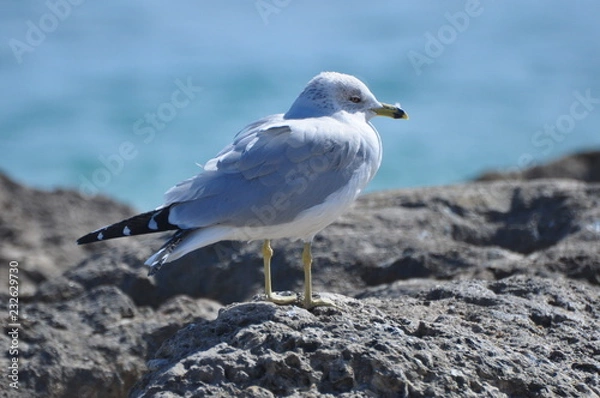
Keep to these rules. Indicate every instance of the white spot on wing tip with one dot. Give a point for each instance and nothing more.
(100, 236)
(152, 223)
(126, 231)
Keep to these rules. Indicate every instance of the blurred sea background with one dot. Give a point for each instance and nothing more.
(90, 89)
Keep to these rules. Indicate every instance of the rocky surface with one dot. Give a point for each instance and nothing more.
(584, 166)
(37, 228)
(480, 289)
(96, 343)
(89, 316)
(517, 337)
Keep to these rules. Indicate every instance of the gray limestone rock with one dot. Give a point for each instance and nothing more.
(517, 337)
(480, 289)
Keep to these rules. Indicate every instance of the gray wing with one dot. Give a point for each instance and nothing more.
(274, 169)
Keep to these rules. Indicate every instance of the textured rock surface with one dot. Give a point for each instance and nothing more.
(517, 337)
(96, 343)
(88, 329)
(37, 228)
(484, 288)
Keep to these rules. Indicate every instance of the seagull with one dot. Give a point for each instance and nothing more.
(284, 176)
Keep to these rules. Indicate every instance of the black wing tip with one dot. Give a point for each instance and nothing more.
(86, 239)
(144, 223)
(94, 236)
(89, 238)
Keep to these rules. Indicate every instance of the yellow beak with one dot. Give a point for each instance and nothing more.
(391, 111)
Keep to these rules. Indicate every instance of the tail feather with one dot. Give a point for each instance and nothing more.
(186, 241)
(145, 223)
(159, 258)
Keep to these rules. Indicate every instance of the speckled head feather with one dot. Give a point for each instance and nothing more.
(331, 92)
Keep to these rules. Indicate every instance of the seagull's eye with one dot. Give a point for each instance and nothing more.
(355, 99)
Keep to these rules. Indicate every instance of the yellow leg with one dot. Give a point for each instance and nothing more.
(272, 297)
(267, 253)
(309, 302)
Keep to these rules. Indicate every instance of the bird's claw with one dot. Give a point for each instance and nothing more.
(280, 299)
(310, 302)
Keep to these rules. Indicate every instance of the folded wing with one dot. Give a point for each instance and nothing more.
(288, 166)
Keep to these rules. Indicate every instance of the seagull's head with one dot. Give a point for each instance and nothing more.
(329, 93)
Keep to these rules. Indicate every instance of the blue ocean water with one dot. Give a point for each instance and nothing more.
(124, 98)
